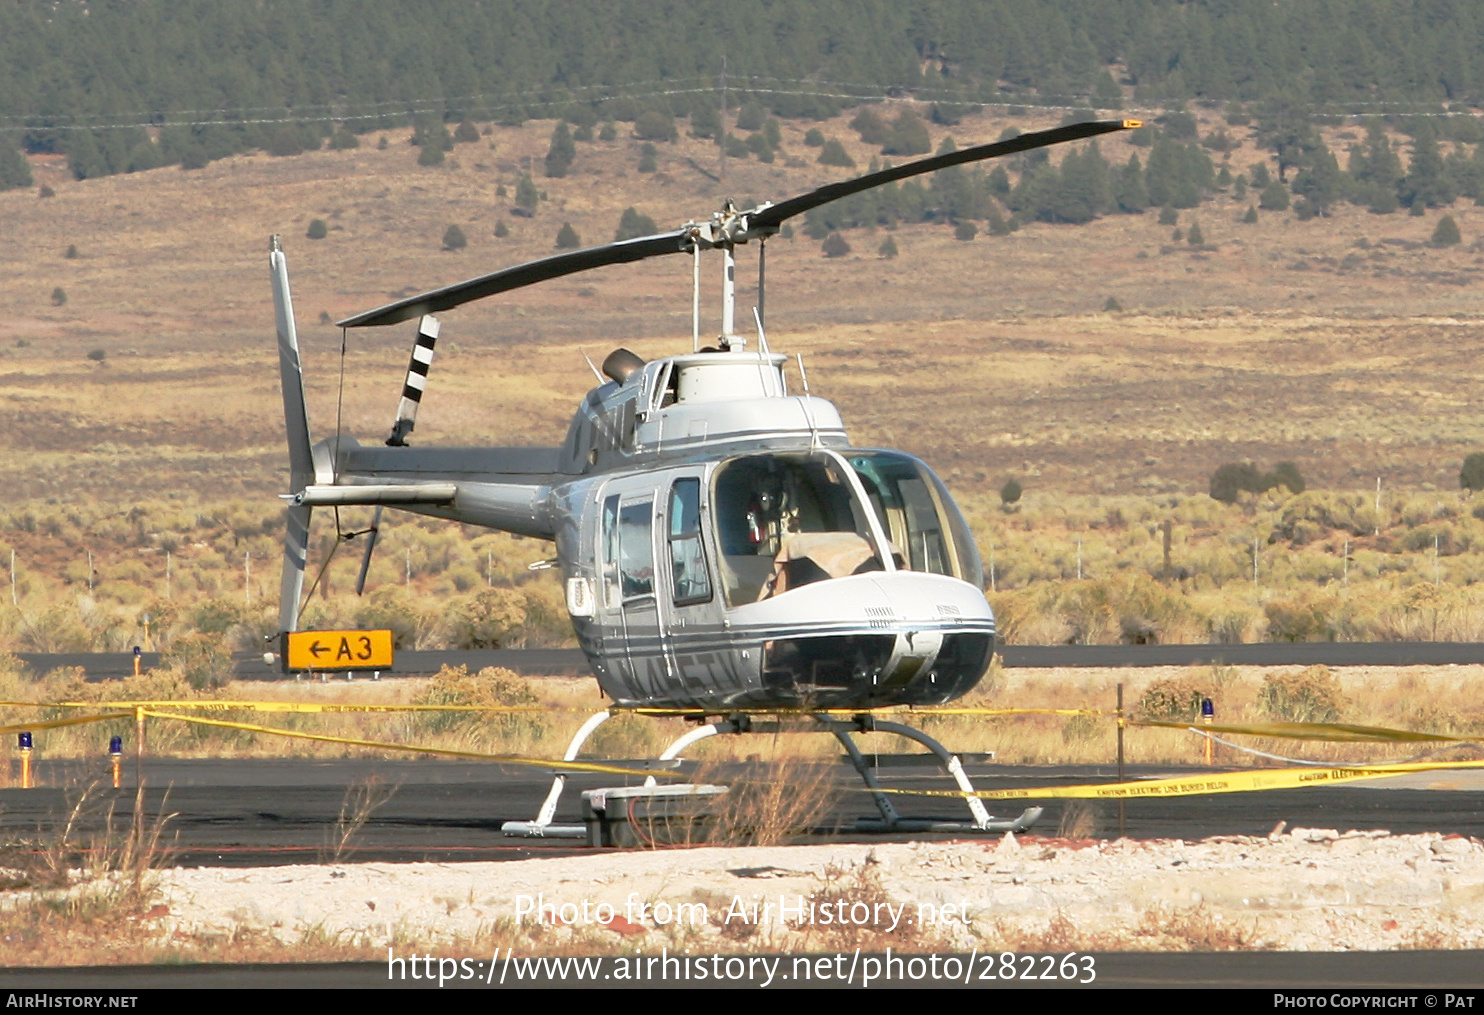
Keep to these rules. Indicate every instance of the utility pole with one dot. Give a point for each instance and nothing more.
(722, 137)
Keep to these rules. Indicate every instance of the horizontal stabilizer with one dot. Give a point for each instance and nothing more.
(421, 493)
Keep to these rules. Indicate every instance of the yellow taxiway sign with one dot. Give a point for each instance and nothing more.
(339, 650)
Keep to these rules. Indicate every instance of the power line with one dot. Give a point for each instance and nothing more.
(351, 112)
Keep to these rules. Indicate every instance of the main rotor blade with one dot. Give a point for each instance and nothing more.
(526, 274)
(764, 220)
(773, 215)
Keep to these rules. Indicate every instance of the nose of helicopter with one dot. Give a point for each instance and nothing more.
(895, 601)
(904, 637)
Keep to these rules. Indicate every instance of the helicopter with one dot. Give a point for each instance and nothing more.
(725, 549)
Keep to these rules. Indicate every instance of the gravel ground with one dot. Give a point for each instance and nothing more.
(1307, 890)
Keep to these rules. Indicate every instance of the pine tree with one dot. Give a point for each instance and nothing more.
(1426, 183)
(1166, 178)
(757, 144)
(1195, 237)
(835, 246)
(318, 230)
(750, 116)
(1251, 216)
(526, 194)
(909, 136)
(653, 125)
(648, 161)
(1376, 165)
(871, 128)
(888, 248)
(15, 171)
(566, 238)
(454, 239)
(632, 225)
(1128, 191)
(1446, 234)
(1320, 181)
(1081, 192)
(83, 156)
(833, 154)
(1274, 197)
(1471, 476)
(286, 141)
(562, 151)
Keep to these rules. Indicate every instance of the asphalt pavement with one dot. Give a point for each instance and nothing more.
(559, 662)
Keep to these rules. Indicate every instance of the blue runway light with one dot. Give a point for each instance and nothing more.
(25, 741)
(116, 745)
(1208, 709)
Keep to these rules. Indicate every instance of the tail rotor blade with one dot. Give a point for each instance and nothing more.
(295, 552)
(417, 381)
(371, 535)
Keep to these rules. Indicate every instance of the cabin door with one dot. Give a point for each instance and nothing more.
(630, 598)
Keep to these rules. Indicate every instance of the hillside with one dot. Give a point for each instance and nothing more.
(1344, 343)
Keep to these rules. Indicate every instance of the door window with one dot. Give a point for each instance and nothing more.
(636, 549)
(687, 556)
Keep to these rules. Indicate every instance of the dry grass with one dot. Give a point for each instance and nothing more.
(1165, 929)
(363, 798)
(1427, 699)
(71, 898)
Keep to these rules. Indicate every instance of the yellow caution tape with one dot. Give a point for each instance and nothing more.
(1199, 785)
(504, 759)
(224, 705)
(1340, 732)
(303, 706)
(51, 724)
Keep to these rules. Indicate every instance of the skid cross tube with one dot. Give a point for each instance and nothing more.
(891, 820)
(542, 826)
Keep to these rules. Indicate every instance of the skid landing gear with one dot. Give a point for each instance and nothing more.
(890, 821)
(542, 826)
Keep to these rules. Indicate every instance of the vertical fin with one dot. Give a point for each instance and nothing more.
(417, 381)
(296, 424)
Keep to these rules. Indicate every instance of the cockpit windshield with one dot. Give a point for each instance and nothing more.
(919, 516)
(788, 520)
